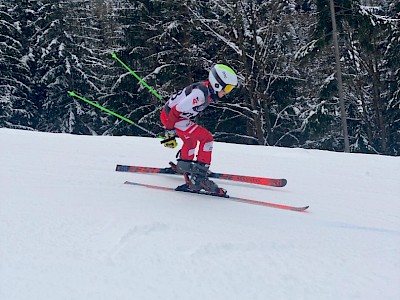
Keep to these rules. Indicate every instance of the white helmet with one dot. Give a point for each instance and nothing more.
(222, 77)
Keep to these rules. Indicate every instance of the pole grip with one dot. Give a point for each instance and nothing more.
(168, 139)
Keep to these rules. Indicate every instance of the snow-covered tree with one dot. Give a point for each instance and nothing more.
(258, 39)
(363, 36)
(281, 50)
(392, 79)
(17, 107)
(72, 54)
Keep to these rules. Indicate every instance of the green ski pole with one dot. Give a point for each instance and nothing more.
(145, 84)
(73, 94)
(137, 77)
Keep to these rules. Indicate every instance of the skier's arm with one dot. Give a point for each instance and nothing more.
(173, 117)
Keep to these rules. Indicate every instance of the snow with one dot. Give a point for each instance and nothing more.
(70, 228)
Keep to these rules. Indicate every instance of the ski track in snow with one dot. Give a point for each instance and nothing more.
(70, 228)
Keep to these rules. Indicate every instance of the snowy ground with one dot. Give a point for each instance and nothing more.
(70, 228)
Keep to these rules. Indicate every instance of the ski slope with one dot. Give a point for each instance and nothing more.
(70, 228)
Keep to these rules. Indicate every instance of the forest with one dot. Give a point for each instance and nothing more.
(282, 51)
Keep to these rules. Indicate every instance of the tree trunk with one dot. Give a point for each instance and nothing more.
(256, 127)
(339, 79)
(378, 106)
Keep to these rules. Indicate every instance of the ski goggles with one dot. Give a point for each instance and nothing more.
(228, 88)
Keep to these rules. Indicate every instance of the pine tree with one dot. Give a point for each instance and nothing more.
(17, 109)
(160, 48)
(258, 39)
(392, 78)
(364, 31)
(281, 50)
(71, 55)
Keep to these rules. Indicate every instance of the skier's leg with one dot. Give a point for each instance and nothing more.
(188, 149)
(205, 139)
(196, 175)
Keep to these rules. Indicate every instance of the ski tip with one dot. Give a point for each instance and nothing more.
(283, 182)
(305, 208)
(300, 209)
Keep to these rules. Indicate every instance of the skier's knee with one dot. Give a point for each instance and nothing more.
(208, 147)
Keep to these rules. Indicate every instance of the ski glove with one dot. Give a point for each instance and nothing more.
(169, 138)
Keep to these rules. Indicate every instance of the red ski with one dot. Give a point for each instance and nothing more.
(225, 196)
(232, 177)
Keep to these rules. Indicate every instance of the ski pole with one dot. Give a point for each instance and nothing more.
(137, 77)
(146, 85)
(73, 94)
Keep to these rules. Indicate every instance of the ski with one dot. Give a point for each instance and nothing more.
(232, 177)
(225, 196)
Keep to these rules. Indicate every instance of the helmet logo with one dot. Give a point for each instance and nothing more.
(217, 85)
(224, 73)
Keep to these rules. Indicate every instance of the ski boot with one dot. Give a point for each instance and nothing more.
(182, 166)
(196, 179)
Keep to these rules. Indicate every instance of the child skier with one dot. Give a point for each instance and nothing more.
(177, 116)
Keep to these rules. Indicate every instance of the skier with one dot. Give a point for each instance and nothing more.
(177, 116)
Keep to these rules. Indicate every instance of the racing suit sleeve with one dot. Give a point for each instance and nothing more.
(173, 117)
